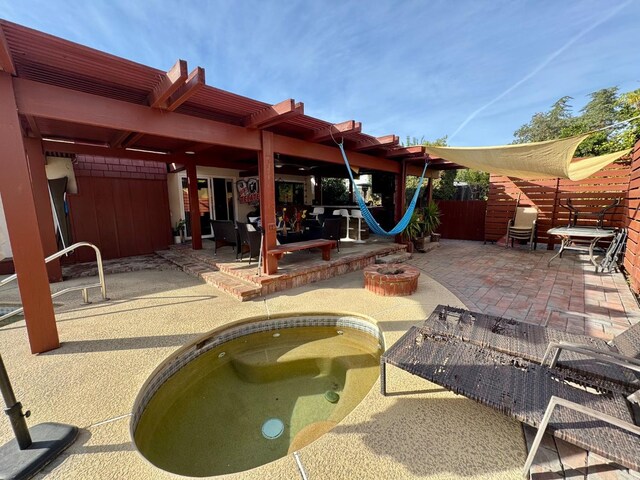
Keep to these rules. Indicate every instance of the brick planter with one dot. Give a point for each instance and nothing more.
(393, 280)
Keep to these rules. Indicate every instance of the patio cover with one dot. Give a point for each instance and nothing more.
(529, 161)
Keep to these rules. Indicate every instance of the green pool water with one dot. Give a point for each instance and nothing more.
(208, 418)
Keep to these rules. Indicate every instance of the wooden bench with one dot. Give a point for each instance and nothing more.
(324, 245)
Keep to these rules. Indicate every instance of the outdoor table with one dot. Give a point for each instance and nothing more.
(571, 237)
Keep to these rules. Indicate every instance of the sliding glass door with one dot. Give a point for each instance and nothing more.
(215, 200)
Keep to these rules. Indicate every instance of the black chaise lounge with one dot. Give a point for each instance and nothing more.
(586, 410)
(617, 360)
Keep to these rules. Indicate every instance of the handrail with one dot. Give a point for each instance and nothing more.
(84, 288)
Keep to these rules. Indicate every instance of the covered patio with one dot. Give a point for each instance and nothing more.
(126, 129)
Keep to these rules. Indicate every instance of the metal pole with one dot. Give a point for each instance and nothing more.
(14, 410)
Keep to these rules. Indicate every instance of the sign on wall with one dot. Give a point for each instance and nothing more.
(248, 190)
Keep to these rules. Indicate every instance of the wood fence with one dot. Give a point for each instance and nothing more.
(588, 196)
(632, 254)
(462, 219)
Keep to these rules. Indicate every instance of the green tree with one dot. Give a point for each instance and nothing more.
(478, 182)
(546, 125)
(334, 191)
(605, 108)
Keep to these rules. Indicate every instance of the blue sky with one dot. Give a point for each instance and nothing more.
(473, 70)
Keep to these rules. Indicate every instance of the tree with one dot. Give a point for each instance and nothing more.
(605, 108)
(334, 191)
(546, 125)
(478, 182)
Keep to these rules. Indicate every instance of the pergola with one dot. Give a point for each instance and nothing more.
(58, 96)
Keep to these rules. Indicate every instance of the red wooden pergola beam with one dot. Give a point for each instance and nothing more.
(132, 139)
(170, 82)
(48, 101)
(331, 154)
(95, 150)
(336, 131)
(195, 82)
(406, 151)
(274, 114)
(33, 126)
(6, 60)
(379, 142)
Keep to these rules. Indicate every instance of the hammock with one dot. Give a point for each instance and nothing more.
(374, 226)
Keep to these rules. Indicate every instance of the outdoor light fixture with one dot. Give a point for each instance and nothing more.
(189, 152)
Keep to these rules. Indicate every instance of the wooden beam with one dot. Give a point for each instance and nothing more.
(336, 131)
(266, 174)
(132, 139)
(406, 151)
(21, 215)
(64, 147)
(274, 114)
(169, 83)
(119, 138)
(378, 142)
(195, 82)
(194, 206)
(33, 126)
(400, 196)
(40, 184)
(6, 60)
(47, 101)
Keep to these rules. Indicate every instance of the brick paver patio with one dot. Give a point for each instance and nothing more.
(517, 283)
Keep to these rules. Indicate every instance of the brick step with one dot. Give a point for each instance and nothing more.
(240, 289)
(394, 258)
(204, 267)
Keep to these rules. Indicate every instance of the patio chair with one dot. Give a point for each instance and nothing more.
(541, 344)
(249, 240)
(594, 414)
(523, 226)
(224, 233)
(331, 229)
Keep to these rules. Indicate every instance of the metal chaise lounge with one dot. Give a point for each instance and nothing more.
(617, 361)
(592, 413)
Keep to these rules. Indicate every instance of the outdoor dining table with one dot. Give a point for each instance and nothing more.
(577, 238)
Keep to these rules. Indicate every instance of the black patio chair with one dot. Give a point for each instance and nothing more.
(224, 233)
(331, 230)
(595, 414)
(617, 360)
(249, 240)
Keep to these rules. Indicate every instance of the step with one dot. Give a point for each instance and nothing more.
(394, 258)
(204, 268)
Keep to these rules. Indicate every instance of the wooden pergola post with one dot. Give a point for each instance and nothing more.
(267, 201)
(400, 194)
(194, 206)
(40, 185)
(18, 198)
(318, 190)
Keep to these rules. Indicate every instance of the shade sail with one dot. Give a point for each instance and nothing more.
(529, 161)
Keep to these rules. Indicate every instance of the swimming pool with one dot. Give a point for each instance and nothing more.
(251, 393)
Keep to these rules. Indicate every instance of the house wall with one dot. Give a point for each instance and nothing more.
(241, 209)
(121, 205)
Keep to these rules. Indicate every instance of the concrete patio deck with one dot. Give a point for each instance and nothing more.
(109, 349)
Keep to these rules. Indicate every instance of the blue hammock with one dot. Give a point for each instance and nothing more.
(366, 214)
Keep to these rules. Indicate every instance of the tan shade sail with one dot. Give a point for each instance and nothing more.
(529, 161)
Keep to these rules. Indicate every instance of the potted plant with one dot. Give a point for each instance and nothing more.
(414, 232)
(178, 232)
(431, 220)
